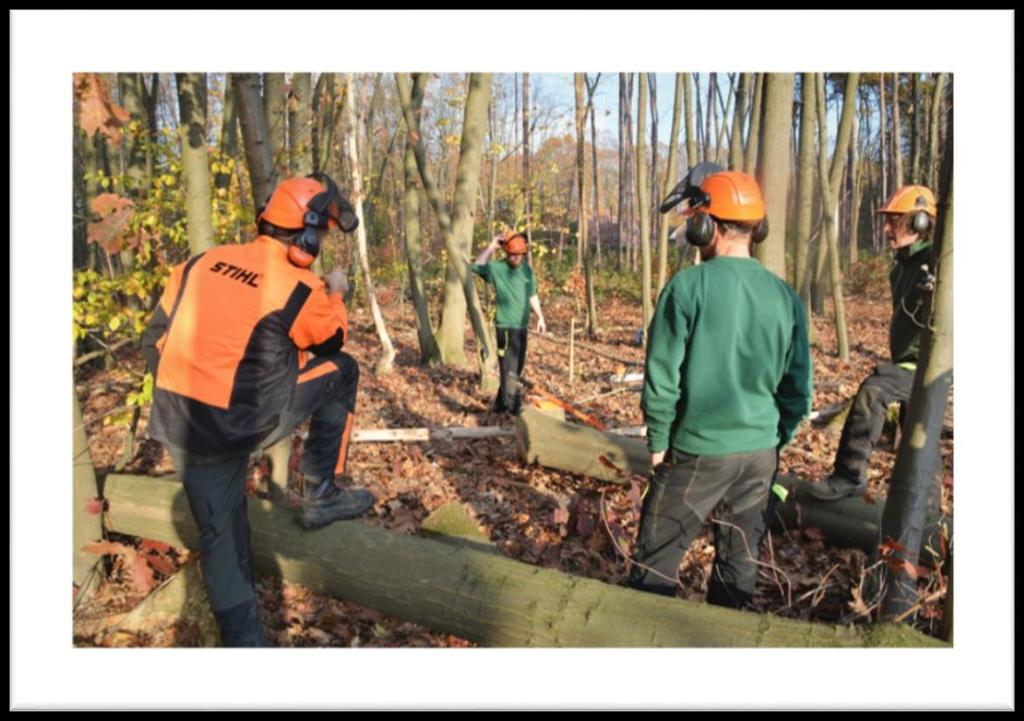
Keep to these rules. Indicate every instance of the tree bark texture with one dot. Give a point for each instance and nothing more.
(773, 168)
(669, 182)
(465, 589)
(275, 109)
(192, 109)
(255, 136)
(300, 124)
(643, 204)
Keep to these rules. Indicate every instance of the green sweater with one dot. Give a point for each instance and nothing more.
(513, 287)
(910, 302)
(728, 365)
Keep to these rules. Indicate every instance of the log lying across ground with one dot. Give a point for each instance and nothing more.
(853, 522)
(613, 456)
(473, 593)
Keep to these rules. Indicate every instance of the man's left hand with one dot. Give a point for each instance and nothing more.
(657, 458)
(542, 327)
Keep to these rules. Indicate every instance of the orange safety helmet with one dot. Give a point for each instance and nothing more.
(516, 245)
(730, 195)
(289, 201)
(309, 205)
(916, 203)
(908, 199)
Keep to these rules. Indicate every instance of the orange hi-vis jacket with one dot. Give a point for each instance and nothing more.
(226, 346)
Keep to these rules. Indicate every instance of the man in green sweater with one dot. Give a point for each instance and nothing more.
(909, 220)
(516, 290)
(726, 382)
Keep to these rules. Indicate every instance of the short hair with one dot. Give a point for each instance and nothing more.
(726, 227)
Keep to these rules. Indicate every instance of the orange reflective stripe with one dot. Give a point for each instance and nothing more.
(318, 370)
(339, 467)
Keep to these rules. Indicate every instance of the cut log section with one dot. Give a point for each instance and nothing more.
(472, 594)
(852, 522)
(589, 452)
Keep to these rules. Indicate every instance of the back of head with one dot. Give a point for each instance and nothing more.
(730, 199)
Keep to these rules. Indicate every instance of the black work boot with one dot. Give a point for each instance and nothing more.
(324, 502)
(834, 488)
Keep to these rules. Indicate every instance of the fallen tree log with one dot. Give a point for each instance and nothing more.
(589, 452)
(476, 595)
(407, 435)
(85, 517)
(852, 522)
(609, 456)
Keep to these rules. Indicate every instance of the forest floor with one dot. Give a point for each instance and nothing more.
(519, 508)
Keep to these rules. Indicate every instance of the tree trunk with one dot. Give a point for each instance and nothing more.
(228, 135)
(582, 241)
(669, 182)
(854, 175)
(830, 181)
(275, 110)
(897, 136)
(736, 141)
(916, 109)
(883, 144)
(457, 232)
(192, 108)
(754, 134)
(526, 165)
(255, 137)
(132, 97)
(642, 204)
(620, 224)
(429, 354)
(325, 103)
(691, 137)
(918, 461)
(463, 588)
(933, 131)
(805, 189)
(593, 150)
(773, 168)
(300, 125)
(86, 525)
(387, 356)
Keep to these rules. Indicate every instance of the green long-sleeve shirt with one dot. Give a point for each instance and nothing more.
(910, 301)
(728, 365)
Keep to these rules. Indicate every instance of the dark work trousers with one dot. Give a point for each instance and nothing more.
(326, 393)
(216, 495)
(888, 384)
(681, 496)
(511, 358)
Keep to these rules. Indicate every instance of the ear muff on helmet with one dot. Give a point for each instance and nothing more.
(700, 229)
(306, 245)
(760, 231)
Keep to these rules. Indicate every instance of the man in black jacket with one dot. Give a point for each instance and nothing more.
(909, 222)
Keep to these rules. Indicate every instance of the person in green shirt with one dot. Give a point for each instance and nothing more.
(909, 220)
(727, 380)
(516, 290)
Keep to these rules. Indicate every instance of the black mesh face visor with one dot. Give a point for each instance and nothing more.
(331, 206)
(689, 187)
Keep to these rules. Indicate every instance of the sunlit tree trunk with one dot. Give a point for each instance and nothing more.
(582, 208)
(754, 134)
(192, 110)
(643, 203)
(228, 134)
(933, 131)
(669, 182)
(736, 141)
(830, 180)
(300, 125)
(805, 188)
(387, 356)
(917, 110)
(773, 168)
(897, 137)
(593, 149)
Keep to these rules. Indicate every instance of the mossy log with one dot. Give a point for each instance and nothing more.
(474, 594)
